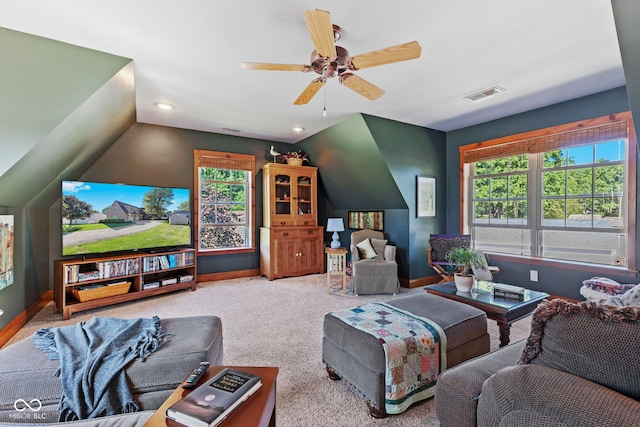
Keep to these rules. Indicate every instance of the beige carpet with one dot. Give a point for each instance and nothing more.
(277, 323)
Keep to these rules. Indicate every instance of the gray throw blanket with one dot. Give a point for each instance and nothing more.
(93, 356)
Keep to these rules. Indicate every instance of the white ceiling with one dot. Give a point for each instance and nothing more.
(188, 53)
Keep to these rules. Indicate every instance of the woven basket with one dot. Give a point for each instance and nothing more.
(293, 161)
(102, 292)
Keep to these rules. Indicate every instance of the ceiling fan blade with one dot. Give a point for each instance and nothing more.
(401, 52)
(321, 31)
(360, 85)
(309, 92)
(274, 67)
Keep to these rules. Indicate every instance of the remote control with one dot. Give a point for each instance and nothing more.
(195, 375)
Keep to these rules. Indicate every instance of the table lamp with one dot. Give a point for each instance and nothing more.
(335, 225)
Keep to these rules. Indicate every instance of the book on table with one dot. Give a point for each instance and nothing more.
(508, 291)
(210, 403)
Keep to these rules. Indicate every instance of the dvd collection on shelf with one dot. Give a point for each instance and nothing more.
(210, 403)
(101, 270)
(165, 262)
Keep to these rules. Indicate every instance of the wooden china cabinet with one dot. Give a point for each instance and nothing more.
(290, 240)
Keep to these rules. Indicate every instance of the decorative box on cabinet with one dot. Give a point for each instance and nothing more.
(291, 240)
(86, 284)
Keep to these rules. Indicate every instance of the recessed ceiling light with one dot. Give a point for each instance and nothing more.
(484, 94)
(298, 129)
(164, 106)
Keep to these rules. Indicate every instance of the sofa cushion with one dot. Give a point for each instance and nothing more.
(529, 395)
(594, 341)
(27, 373)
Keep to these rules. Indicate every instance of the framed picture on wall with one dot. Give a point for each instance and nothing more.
(426, 196)
(360, 220)
(6, 250)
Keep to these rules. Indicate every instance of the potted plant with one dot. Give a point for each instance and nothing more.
(295, 158)
(462, 258)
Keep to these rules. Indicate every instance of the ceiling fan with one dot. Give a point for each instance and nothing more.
(330, 60)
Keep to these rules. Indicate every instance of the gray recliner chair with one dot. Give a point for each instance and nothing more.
(373, 263)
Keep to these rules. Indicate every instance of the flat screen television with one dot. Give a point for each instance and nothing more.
(102, 218)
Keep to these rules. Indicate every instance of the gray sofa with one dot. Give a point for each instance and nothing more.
(26, 374)
(579, 367)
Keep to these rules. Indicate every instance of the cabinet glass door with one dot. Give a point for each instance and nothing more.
(304, 206)
(283, 197)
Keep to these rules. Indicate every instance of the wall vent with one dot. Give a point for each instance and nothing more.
(484, 94)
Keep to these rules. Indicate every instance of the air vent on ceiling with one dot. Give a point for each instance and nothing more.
(485, 94)
(231, 130)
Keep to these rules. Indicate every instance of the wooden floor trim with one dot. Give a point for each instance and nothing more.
(14, 326)
(238, 274)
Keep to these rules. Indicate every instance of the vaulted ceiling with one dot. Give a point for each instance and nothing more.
(189, 54)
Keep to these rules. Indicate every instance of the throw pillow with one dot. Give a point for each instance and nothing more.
(629, 298)
(594, 341)
(440, 246)
(365, 249)
(378, 246)
(607, 286)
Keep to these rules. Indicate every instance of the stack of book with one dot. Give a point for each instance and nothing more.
(508, 291)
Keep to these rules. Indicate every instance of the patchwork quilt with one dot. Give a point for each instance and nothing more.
(415, 350)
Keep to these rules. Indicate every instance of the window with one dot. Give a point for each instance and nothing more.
(558, 195)
(224, 201)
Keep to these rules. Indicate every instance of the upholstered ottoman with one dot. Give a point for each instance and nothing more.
(359, 357)
(26, 372)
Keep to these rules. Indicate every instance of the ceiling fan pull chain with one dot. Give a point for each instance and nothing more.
(324, 109)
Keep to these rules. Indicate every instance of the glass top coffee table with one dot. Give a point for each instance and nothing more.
(504, 311)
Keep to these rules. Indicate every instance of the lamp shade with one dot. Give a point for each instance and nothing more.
(335, 224)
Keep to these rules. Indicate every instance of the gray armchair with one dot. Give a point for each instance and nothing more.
(373, 263)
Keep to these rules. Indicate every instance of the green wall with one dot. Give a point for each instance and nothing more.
(370, 163)
(62, 107)
(559, 281)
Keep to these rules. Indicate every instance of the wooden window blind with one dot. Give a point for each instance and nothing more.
(220, 160)
(542, 143)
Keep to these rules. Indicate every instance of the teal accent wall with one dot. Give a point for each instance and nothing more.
(557, 281)
(371, 163)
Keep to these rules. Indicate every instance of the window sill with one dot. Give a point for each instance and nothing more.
(566, 265)
(211, 252)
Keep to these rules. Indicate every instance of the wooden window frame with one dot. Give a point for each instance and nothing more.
(207, 158)
(566, 135)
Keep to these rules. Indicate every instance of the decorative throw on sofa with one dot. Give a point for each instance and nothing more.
(93, 356)
(415, 350)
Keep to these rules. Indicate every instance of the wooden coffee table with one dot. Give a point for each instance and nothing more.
(504, 311)
(258, 410)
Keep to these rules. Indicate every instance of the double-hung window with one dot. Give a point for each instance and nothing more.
(224, 201)
(559, 193)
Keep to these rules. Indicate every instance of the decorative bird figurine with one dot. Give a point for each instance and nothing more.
(274, 153)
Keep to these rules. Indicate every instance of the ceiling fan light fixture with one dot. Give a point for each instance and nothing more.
(483, 95)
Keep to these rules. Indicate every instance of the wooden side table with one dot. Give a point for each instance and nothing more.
(336, 266)
(259, 410)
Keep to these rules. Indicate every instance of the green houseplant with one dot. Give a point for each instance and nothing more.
(462, 258)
